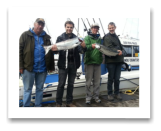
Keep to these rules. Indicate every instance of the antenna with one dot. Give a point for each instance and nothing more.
(124, 27)
(138, 29)
(131, 27)
(78, 26)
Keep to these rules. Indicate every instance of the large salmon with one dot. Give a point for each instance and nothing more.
(65, 45)
(105, 50)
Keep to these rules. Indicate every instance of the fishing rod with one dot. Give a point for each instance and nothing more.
(102, 26)
(88, 32)
(89, 25)
(98, 31)
(88, 22)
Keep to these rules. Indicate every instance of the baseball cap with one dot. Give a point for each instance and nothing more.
(94, 25)
(40, 20)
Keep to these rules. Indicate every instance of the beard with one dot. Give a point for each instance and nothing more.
(112, 32)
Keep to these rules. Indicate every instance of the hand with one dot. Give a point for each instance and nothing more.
(93, 46)
(83, 44)
(120, 52)
(54, 48)
(21, 71)
(50, 71)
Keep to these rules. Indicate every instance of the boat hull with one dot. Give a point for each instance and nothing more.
(128, 81)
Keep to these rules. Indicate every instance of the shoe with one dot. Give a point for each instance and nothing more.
(97, 100)
(88, 102)
(58, 105)
(110, 97)
(118, 96)
(70, 105)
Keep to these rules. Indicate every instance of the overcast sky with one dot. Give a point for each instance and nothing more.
(19, 20)
(124, 26)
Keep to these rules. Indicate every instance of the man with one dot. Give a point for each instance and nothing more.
(68, 63)
(33, 62)
(114, 64)
(92, 60)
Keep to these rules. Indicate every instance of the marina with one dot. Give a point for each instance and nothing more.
(129, 81)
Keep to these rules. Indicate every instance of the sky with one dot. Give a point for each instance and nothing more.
(134, 21)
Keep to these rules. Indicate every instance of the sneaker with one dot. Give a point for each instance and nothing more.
(88, 102)
(118, 96)
(58, 105)
(97, 100)
(70, 105)
(110, 97)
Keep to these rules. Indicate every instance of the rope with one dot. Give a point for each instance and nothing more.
(132, 93)
(127, 91)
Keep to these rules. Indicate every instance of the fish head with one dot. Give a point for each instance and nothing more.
(80, 39)
(97, 46)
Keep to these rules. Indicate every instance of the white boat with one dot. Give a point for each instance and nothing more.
(128, 81)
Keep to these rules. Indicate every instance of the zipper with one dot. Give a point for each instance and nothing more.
(39, 53)
(74, 59)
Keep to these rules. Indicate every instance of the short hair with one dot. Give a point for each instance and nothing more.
(69, 22)
(112, 23)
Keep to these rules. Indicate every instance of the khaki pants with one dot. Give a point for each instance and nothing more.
(92, 74)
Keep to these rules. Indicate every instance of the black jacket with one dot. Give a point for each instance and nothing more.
(62, 53)
(112, 41)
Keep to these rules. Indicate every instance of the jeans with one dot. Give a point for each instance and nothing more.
(71, 72)
(28, 81)
(114, 72)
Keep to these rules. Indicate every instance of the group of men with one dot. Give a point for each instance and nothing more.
(34, 64)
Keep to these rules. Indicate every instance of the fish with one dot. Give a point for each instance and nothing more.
(105, 50)
(65, 45)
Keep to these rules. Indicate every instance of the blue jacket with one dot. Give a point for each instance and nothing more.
(39, 53)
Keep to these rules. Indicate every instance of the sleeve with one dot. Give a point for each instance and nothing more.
(108, 43)
(57, 40)
(21, 48)
(88, 44)
(81, 49)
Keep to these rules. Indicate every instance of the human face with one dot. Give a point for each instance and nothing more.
(94, 30)
(111, 29)
(38, 28)
(69, 28)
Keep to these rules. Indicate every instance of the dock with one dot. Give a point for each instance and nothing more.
(127, 101)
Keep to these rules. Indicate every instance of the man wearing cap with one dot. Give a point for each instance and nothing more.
(92, 60)
(114, 63)
(68, 63)
(33, 63)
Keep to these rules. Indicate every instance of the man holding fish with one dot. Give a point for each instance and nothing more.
(114, 63)
(68, 63)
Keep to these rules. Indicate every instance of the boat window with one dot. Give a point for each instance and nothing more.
(128, 50)
(135, 51)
